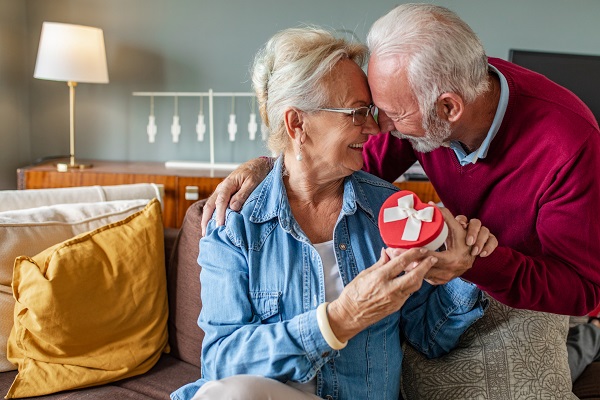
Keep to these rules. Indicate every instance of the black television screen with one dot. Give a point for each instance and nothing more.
(578, 73)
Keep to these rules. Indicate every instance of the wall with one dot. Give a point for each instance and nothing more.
(14, 108)
(194, 45)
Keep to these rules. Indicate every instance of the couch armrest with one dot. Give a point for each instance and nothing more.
(183, 283)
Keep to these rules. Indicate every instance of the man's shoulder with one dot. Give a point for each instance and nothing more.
(533, 95)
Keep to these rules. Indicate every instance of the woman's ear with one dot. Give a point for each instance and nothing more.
(294, 123)
(450, 106)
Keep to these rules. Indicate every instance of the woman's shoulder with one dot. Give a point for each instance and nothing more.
(371, 189)
(373, 182)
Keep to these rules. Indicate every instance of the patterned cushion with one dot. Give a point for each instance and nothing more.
(507, 354)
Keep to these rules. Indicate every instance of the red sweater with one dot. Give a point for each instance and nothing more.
(538, 191)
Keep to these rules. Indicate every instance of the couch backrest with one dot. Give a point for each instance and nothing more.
(183, 278)
(31, 198)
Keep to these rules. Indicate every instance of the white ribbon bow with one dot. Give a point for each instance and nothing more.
(404, 210)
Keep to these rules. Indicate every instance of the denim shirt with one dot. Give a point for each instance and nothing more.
(262, 281)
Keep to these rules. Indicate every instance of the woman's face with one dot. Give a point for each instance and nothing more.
(333, 144)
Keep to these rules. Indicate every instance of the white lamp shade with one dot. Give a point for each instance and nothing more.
(71, 53)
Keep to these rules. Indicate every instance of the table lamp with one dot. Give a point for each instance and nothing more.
(73, 54)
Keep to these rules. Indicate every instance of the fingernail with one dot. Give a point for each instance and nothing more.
(434, 260)
(470, 240)
(483, 254)
(234, 205)
(423, 250)
(474, 251)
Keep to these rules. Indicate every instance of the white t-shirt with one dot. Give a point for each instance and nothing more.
(333, 288)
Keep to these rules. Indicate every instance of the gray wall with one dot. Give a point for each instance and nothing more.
(15, 146)
(194, 45)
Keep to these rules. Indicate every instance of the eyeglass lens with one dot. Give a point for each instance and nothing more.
(360, 115)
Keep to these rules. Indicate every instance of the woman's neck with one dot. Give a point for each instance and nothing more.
(315, 202)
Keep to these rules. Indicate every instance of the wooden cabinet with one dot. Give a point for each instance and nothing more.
(423, 189)
(174, 181)
(106, 173)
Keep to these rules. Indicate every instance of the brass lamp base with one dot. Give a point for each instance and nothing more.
(64, 167)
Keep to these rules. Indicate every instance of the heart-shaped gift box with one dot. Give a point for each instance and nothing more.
(406, 222)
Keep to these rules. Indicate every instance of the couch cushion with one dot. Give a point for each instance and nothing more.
(29, 231)
(183, 273)
(165, 377)
(507, 354)
(92, 309)
(587, 386)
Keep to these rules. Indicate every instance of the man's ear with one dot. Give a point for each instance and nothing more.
(294, 122)
(450, 106)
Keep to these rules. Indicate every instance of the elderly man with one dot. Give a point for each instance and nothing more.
(499, 143)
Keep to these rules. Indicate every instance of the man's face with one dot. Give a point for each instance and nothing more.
(399, 111)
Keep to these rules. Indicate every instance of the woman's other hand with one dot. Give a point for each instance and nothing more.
(378, 291)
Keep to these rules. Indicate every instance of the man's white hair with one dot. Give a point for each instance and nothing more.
(441, 52)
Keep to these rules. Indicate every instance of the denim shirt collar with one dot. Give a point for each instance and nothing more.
(271, 201)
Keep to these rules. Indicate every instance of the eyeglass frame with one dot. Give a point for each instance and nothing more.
(352, 111)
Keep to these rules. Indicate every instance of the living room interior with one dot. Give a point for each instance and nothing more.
(186, 58)
(192, 46)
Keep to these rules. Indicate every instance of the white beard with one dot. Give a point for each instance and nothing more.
(436, 133)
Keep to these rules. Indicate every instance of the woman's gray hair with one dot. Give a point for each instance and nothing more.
(442, 52)
(288, 72)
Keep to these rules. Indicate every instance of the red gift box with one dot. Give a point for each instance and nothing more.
(406, 222)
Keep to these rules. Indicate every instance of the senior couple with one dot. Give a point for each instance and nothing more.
(300, 298)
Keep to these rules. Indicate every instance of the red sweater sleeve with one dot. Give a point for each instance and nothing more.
(387, 157)
(565, 277)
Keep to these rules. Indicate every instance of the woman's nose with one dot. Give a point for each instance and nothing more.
(371, 127)
(385, 123)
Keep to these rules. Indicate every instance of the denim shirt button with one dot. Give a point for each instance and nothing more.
(329, 397)
(325, 354)
(342, 246)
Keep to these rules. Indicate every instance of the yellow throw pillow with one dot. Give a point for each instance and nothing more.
(91, 310)
(29, 231)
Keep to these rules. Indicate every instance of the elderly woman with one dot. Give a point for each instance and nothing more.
(300, 301)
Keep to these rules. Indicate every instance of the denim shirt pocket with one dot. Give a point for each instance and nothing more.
(266, 305)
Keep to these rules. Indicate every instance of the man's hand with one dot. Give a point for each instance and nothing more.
(235, 189)
(464, 243)
(478, 236)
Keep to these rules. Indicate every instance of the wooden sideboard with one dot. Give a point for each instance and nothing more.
(175, 182)
(105, 173)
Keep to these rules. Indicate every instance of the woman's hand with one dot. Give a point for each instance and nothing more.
(378, 291)
(235, 189)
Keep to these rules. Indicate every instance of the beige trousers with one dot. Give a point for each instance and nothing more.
(250, 387)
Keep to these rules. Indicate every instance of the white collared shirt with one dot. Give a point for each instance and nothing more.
(482, 151)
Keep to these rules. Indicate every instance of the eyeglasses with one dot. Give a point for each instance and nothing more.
(359, 115)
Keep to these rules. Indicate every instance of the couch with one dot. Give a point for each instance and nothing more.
(181, 364)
